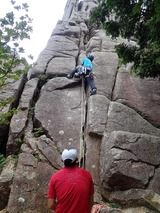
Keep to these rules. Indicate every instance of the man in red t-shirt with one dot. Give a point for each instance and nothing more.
(71, 189)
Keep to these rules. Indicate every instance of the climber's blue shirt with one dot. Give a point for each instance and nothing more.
(87, 63)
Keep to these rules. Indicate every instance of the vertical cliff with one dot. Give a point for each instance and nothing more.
(116, 131)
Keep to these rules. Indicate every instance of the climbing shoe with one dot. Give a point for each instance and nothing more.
(93, 92)
(69, 76)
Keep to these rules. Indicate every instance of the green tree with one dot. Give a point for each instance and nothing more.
(2, 162)
(137, 20)
(13, 30)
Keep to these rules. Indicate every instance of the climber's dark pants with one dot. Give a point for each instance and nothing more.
(73, 72)
(90, 81)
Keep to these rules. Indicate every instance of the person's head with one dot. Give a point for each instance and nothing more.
(90, 57)
(69, 157)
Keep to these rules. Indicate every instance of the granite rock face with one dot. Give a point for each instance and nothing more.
(116, 131)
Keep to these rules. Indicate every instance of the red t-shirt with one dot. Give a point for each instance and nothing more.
(71, 187)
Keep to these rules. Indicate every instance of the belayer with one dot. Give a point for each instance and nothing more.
(85, 70)
(71, 189)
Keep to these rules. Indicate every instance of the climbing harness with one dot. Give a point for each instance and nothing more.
(82, 72)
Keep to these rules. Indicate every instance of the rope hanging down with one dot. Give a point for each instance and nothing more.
(82, 142)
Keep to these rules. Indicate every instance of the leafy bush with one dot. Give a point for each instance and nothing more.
(13, 30)
(133, 20)
(2, 162)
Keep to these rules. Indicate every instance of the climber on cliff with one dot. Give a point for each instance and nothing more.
(85, 70)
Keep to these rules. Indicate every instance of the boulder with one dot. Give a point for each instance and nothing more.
(19, 120)
(6, 177)
(131, 160)
(139, 94)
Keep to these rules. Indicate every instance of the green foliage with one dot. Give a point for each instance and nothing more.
(42, 77)
(19, 141)
(38, 131)
(31, 112)
(133, 19)
(13, 30)
(2, 162)
(113, 205)
(4, 117)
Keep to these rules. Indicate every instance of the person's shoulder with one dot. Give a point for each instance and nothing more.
(85, 172)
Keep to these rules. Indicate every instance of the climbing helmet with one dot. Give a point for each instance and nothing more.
(90, 57)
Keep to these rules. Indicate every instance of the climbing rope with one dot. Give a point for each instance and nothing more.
(82, 145)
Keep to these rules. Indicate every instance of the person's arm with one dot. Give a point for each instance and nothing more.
(91, 203)
(51, 203)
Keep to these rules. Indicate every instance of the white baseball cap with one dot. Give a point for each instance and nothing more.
(69, 154)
